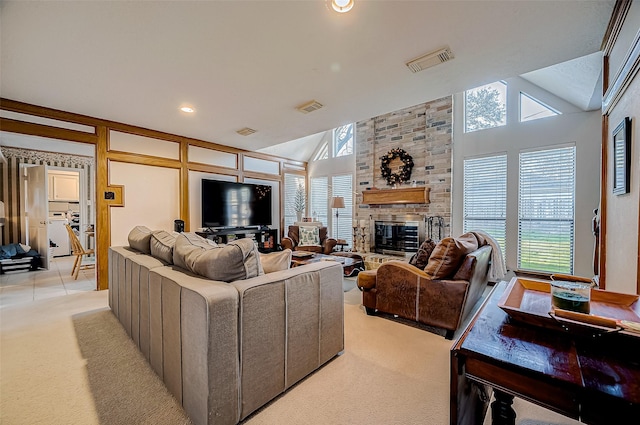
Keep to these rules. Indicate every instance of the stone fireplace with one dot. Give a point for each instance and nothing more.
(424, 132)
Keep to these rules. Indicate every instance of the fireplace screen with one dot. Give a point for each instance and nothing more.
(396, 238)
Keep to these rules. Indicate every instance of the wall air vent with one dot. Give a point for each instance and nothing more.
(246, 131)
(430, 59)
(314, 105)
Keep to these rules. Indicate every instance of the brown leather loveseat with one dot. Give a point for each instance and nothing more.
(442, 294)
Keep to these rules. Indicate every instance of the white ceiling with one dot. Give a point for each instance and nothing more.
(250, 63)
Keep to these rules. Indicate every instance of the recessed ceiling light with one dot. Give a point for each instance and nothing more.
(187, 109)
(342, 6)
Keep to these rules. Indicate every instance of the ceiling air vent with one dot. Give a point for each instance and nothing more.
(430, 59)
(314, 105)
(246, 131)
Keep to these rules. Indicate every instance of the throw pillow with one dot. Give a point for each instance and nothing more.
(448, 254)
(140, 238)
(227, 263)
(161, 245)
(186, 244)
(309, 235)
(276, 261)
(421, 258)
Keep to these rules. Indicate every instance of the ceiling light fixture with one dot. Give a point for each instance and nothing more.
(187, 109)
(342, 6)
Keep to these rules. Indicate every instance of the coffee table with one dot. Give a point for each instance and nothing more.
(350, 265)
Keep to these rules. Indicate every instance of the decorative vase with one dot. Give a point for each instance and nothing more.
(299, 216)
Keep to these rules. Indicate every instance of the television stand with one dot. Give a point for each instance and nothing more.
(265, 239)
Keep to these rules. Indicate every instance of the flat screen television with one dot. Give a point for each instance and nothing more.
(231, 204)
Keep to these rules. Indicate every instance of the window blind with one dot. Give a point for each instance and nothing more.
(485, 196)
(546, 204)
(342, 229)
(291, 182)
(319, 199)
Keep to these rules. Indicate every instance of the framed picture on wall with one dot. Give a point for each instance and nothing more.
(622, 157)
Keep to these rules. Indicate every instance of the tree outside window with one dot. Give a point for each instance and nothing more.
(486, 107)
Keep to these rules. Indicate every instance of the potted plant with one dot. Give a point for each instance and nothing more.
(299, 202)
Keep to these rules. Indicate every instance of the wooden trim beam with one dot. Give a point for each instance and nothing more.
(103, 211)
(44, 112)
(136, 158)
(602, 265)
(213, 169)
(184, 186)
(263, 176)
(41, 130)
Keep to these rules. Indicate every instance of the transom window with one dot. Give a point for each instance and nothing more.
(485, 107)
(533, 109)
(343, 140)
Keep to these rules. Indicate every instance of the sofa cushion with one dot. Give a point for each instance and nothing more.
(186, 243)
(448, 254)
(161, 245)
(276, 261)
(309, 236)
(227, 263)
(421, 258)
(140, 239)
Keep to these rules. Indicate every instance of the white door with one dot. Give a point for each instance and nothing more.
(37, 208)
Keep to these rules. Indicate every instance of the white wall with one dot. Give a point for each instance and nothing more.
(623, 211)
(151, 198)
(573, 126)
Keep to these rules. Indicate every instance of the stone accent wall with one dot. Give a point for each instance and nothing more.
(424, 131)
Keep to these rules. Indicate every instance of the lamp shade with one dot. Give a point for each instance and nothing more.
(337, 202)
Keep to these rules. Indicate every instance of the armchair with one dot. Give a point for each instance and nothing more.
(441, 295)
(292, 241)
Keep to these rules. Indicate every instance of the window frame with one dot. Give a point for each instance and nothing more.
(545, 199)
(486, 179)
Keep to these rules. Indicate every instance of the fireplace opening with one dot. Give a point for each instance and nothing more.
(397, 237)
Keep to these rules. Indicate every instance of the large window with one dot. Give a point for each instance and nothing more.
(341, 228)
(546, 210)
(318, 207)
(485, 107)
(485, 196)
(291, 183)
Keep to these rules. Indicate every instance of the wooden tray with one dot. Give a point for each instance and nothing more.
(529, 301)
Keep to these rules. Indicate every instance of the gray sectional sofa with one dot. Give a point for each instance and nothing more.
(224, 349)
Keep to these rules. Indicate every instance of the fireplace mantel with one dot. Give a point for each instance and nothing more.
(409, 195)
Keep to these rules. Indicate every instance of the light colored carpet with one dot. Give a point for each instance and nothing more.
(67, 360)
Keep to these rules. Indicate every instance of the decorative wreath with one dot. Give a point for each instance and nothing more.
(405, 171)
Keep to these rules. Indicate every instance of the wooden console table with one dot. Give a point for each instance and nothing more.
(595, 380)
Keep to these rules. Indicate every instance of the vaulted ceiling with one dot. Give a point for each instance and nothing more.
(250, 63)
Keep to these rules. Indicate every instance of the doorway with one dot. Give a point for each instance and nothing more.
(73, 163)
